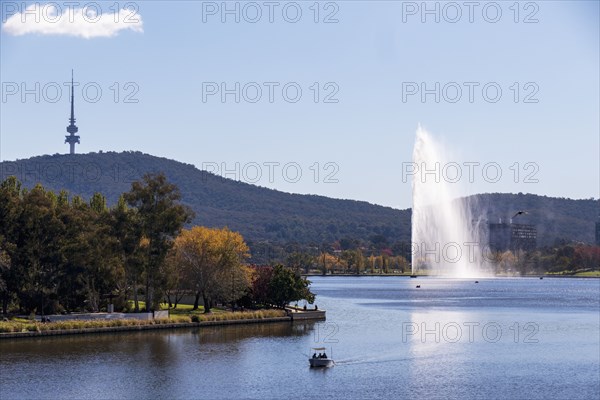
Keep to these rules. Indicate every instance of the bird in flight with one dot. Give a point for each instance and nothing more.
(520, 212)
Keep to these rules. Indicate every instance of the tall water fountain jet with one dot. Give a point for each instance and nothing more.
(447, 240)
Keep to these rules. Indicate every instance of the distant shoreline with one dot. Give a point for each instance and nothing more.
(437, 276)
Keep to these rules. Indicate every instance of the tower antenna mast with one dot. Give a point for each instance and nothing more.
(72, 138)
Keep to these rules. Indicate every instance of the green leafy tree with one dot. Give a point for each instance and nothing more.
(38, 259)
(96, 252)
(98, 203)
(10, 209)
(4, 279)
(286, 286)
(161, 217)
(126, 228)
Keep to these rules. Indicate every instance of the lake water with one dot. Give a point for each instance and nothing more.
(500, 338)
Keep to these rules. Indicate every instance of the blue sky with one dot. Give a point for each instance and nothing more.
(367, 65)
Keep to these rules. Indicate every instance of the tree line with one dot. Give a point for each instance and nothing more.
(563, 257)
(377, 256)
(62, 254)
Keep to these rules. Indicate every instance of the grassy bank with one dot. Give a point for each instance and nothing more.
(578, 274)
(593, 274)
(23, 325)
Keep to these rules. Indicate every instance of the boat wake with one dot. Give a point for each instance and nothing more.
(390, 358)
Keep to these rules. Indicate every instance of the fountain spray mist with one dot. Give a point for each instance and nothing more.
(447, 239)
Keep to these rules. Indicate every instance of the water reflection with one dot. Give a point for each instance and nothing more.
(129, 342)
(367, 321)
(149, 364)
(234, 333)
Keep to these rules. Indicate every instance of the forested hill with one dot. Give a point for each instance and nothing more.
(262, 214)
(256, 212)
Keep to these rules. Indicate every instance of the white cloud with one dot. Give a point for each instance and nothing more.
(87, 22)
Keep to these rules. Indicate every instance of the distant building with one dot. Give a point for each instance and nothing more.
(503, 236)
(523, 237)
(499, 236)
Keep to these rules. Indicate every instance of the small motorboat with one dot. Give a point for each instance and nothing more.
(320, 359)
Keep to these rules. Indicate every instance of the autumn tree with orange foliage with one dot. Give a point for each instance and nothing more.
(212, 261)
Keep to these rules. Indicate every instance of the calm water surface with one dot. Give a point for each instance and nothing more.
(501, 338)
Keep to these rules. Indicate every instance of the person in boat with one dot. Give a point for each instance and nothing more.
(314, 355)
(324, 355)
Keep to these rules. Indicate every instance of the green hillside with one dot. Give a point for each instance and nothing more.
(262, 214)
